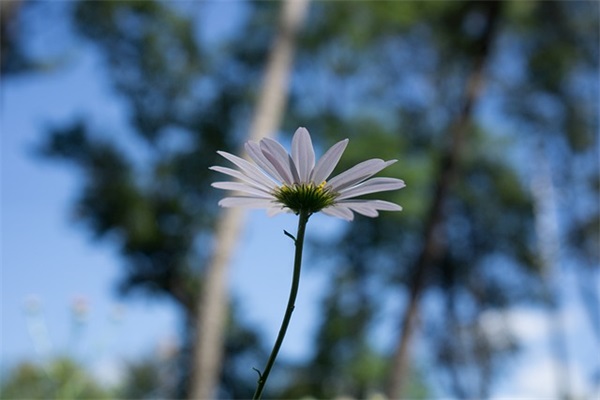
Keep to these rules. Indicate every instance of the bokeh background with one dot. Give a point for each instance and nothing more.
(485, 286)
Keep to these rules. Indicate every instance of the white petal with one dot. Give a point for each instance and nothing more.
(271, 212)
(246, 202)
(339, 212)
(244, 188)
(279, 158)
(376, 204)
(369, 207)
(303, 154)
(246, 178)
(364, 210)
(255, 153)
(358, 173)
(328, 162)
(247, 168)
(372, 186)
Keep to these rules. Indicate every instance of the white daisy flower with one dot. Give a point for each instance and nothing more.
(282, 182)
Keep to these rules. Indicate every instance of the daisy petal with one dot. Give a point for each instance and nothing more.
(242, 187)
(246, 202)
(364, 210)
(369, 208)
(237, 174)
(255, 153)
(339, 212)
(247, 168)
(358, 173)
(281, 182)
(376, 204)
(372, 186)
(280, 159)
(303, 154)
(271, 212)
(328, 162)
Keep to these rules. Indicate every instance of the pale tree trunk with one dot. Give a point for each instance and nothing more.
(432, 242)
(213, 300)
(548, 240)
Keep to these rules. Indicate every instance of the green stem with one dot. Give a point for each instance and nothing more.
(299, 242)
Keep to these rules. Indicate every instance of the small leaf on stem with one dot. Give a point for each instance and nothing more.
(286, 233)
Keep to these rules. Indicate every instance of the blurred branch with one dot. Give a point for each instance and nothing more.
(432, 246)
(212, 307)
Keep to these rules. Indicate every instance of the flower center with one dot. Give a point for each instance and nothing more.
(305, 196)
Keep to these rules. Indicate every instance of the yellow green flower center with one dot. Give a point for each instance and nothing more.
(305, 196)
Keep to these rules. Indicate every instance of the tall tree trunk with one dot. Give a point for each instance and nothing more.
(432, 247)
(213, 301)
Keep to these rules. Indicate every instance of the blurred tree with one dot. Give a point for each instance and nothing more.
(555, 98)
(13, 57)
(62, 378)
(143, 380)
(480, 46)
(155, 201)
(417, 69)
(20, 20)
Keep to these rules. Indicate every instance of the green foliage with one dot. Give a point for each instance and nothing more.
(142, 380)
(61, 378)
(154, 57)
(148, 378)
(155, 230)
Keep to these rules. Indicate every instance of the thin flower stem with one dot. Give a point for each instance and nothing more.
(299, 243)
